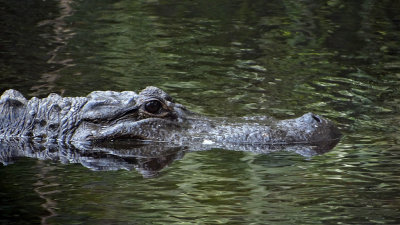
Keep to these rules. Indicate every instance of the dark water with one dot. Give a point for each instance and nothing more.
(337, 58)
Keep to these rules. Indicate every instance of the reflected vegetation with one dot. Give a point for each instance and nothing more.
(337, 58)
(61, 35)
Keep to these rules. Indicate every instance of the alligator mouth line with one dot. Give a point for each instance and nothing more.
(143, 130)
(283, 143)
(271, 143)
(126, 137)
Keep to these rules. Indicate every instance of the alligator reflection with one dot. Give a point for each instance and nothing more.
(147, 158)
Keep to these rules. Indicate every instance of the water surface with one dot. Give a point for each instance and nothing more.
(239, 58)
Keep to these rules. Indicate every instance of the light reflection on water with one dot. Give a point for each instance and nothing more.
(232, 58)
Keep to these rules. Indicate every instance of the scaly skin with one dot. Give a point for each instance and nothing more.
(151, 115)
(51, 118)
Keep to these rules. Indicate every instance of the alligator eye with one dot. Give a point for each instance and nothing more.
(152, 106)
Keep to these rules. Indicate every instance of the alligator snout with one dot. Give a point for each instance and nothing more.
(320, 128)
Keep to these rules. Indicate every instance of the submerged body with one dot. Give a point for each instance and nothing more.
(151, 115)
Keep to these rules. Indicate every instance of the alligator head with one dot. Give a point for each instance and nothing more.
(109, 116)
(152, 115)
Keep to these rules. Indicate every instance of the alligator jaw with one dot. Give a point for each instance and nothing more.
(205, 133)
(150, 129)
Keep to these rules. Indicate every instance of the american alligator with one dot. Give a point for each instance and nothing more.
(107, 117)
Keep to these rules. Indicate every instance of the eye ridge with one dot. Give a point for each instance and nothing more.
(153, 106)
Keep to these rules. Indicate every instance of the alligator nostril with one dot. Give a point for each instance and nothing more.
(316, 118)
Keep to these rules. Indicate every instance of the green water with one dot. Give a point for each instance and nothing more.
(337, 58)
